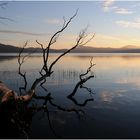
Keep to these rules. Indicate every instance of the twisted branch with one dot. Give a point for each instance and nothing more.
(79, 42)
(83, 78)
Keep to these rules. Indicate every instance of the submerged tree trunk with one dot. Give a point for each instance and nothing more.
(8, 94)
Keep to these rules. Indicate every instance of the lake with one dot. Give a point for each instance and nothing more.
(114, 112)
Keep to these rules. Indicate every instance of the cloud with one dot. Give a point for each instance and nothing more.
(129, 24)
(54, 21)
(123, 11)
(20, 32)
(107, 4)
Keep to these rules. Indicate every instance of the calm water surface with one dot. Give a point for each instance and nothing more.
(115, 111)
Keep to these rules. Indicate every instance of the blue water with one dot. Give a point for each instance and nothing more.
(115, 111)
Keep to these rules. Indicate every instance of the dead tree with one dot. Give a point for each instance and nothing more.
(46, 69)
(13, 102)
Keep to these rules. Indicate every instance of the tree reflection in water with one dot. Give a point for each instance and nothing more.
(16, 111)
(16, 117)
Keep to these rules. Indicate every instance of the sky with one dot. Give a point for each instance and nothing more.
(116, 23)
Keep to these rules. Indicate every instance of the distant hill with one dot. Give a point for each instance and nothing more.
(126, 49)
(8, 48)
(131, 46)
(13, 49)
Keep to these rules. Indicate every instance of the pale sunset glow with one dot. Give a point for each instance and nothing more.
(116, 23)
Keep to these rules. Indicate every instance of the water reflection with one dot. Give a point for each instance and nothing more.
(4, 58)
(18, 116)
(114, 113)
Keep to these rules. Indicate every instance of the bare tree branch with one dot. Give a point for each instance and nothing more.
(20, 62)
(49, 99)
(81, 104)
(55, 36)
(83, 78)
(88, 89)
(88, 70)
(46, 52)
(46, 70)
(44, 57)
(50, 124)
(79, 42)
